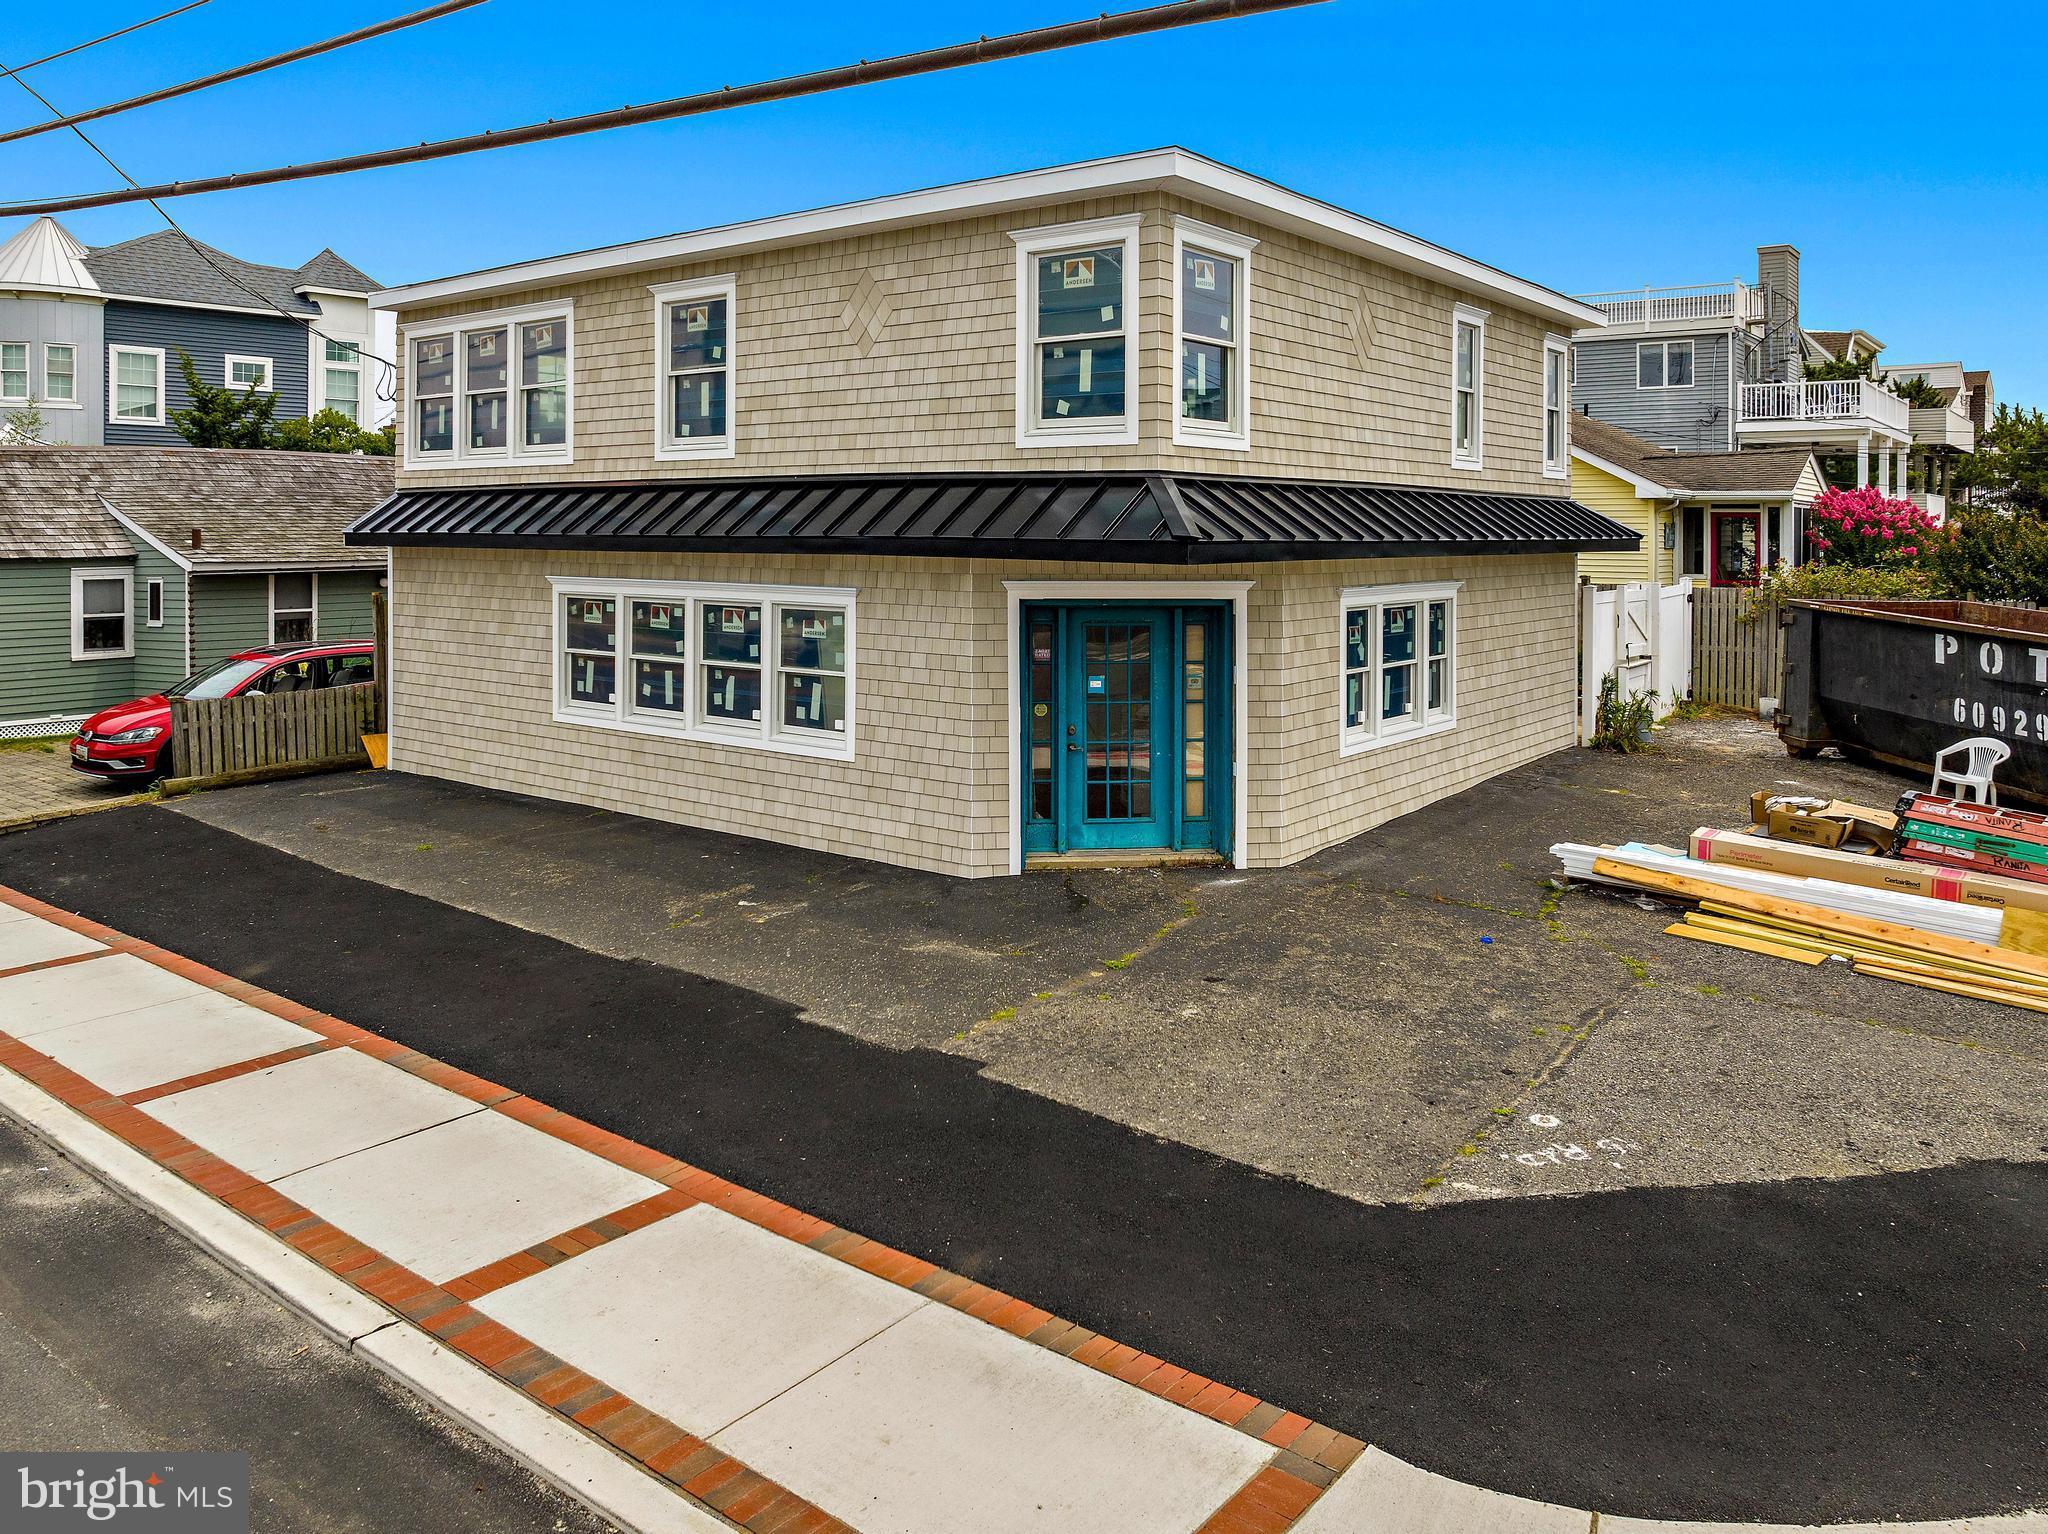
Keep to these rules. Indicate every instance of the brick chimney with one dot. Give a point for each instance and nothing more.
(198, 537)
(1777, 273)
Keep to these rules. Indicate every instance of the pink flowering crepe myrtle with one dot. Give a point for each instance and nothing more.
(1868, 527)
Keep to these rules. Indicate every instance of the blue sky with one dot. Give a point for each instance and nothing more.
(1587, 147)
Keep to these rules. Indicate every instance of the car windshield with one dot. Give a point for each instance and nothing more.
(216, 681)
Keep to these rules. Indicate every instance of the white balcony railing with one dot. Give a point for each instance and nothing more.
(1736, 301)
(1842, 401)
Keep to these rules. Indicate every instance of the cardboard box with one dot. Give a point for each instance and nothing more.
(1830, 823)
(1936, 882)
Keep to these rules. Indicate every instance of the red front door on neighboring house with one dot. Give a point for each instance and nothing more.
(1738, 547)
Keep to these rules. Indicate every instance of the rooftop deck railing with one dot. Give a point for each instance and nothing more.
(1736, 301)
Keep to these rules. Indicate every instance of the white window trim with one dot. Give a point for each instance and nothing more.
(153, 600)
(1561, 466)
(1031, 244)
(1376, 732)
(1665, 348)
(461, 455)
(707, 288)
(115, 351)
(269, 366)
(80, 574)
(73, 403)
(271, 625)
(1465, 314)
(28, 374)
(1193, 234)
(839, 747)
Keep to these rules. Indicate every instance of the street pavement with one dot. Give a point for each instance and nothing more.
(118, 1335)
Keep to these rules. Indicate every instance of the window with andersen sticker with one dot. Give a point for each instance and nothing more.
(743, 665)
(1398, 663)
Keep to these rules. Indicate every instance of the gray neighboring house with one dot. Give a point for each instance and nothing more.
(90, 337)
(1721, 368)
(123, 569)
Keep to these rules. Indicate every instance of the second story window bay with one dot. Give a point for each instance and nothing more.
(693, 387)
(1210, 307)
(1075, 283)
(491, 389)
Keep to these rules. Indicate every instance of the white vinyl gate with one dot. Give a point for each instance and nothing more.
(1642, 634)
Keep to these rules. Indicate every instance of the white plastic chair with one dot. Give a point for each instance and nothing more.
(1973, 780)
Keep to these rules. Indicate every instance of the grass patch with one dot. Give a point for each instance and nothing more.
(1122, 963)
(44, 744)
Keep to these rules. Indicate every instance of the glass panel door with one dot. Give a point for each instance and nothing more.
(1736, 548)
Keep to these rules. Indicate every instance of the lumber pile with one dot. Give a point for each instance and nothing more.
(1939, 921)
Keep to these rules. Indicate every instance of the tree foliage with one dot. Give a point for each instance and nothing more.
(219, 416)
(1994, 556)
(23, 427)
(330, 432)
(2009, 470)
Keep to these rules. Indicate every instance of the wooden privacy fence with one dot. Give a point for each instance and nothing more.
(212, 736)
(1738, 647)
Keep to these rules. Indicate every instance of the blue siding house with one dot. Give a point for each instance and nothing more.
(90, 338)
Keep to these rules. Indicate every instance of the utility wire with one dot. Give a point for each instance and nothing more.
(65, 53)
(242, 71)
(387, 375)
(1158, 18)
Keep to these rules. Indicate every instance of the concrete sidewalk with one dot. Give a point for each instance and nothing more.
(781, 1373)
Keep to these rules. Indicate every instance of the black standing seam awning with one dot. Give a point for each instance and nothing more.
(1124, 518)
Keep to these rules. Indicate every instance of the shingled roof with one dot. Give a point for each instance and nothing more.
(252, 509)
(167, 265)
(1771, 472)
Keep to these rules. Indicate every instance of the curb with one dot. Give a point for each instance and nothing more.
(495, 1411)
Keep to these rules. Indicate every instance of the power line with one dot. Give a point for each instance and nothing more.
(1158, 18)
(387, 377)
(65, 53)
(242, 71)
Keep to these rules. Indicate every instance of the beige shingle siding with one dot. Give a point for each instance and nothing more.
(937, 390)
(931, 784)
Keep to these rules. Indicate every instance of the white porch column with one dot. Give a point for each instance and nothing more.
(1863, 459)
(1884, 469)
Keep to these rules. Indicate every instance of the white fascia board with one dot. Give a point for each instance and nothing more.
(1175, 170)
(146, 535)
(1647, 489)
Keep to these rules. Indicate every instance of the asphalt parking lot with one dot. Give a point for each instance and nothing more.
(1802, 1284)
(1399, 1019)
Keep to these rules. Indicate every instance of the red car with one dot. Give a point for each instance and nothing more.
(132, 741)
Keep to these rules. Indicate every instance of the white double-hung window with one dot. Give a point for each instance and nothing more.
(341, 377)
(1468, 387)
(60, 373)
(761, 666)
(13, 371)
(493, 388)
(101, 600)
(1076, 292)
(136, 395)
(1211, 307)
(1556, 392)
(693, 368)
(1399, 663)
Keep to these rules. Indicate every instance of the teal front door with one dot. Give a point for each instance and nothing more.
(1125, 728)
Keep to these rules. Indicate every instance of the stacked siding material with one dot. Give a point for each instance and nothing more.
(1973, 837)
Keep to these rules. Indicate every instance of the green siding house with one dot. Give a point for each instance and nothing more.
(123, 569)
